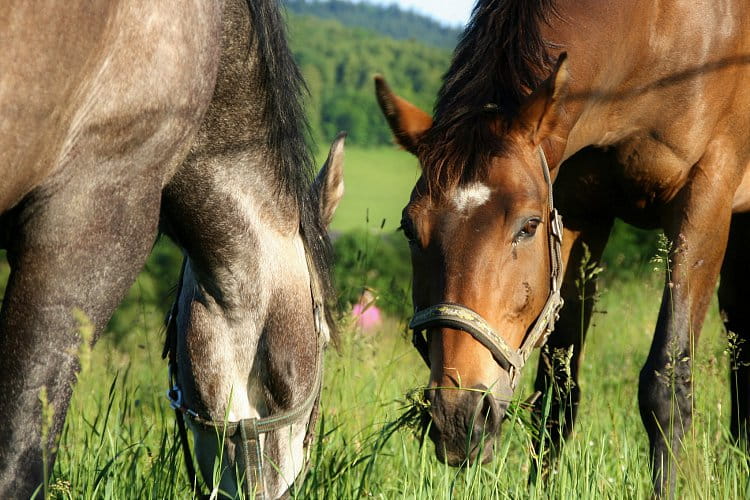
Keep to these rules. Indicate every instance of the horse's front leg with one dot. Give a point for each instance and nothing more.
(733, 289)
(697, 226)
(73, 255)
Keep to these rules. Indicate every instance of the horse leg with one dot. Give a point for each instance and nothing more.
(735, 276)
(73, 255)
(697, 225)
(557, 378)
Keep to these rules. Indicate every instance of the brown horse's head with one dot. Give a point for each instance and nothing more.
(477, 224)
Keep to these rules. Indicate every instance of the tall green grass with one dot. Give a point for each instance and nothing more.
(119, 437)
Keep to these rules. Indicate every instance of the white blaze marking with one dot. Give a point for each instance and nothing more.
(471, 196)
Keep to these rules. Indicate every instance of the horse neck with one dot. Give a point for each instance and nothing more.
(230, 182)
(244, 314)
(618, 87)
(228, 208)
(588, 52)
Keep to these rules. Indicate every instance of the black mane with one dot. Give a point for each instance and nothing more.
(499, 60)
(288, 130)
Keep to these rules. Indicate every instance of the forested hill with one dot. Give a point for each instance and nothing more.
(389, 21)
(339, 62)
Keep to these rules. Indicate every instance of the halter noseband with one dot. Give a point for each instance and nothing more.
(460, 317)
(249, 430)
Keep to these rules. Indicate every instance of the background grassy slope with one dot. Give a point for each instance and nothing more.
(378, 182)
(338, 63)
(389, 21)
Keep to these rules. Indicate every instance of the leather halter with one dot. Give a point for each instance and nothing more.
(460, 317)
(249, 430)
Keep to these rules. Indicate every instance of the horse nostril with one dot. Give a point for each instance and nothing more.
(489, 414)
(490, 411)
(428, 395)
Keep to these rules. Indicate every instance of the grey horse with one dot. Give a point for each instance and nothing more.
(120, 119)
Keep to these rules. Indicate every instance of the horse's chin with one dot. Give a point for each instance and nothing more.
(206, 455)
(454, 459)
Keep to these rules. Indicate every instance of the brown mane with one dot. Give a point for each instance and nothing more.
(500, 58)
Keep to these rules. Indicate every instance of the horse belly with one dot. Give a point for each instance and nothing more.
(741, 202)
(105, 80)
(650, 171)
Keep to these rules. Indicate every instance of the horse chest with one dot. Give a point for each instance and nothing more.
(632, 181)
(650, 170)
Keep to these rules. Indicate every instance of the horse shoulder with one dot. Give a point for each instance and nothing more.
(92, 81)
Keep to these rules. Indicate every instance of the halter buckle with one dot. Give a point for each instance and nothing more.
(174, 395)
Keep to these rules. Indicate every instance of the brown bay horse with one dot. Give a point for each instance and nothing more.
(646, 119)
(122, 119)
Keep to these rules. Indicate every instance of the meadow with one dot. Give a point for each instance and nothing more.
(120, 442)
(378, 182)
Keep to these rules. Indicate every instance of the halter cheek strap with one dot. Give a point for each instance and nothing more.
(457, 316)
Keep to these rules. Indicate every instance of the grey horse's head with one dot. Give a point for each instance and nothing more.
(247, 341)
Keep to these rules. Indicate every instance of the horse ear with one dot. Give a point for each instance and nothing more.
(407, 121)
(329, 184)
(540, 114)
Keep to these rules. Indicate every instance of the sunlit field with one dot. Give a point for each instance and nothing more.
(120, 441)
(378, 182)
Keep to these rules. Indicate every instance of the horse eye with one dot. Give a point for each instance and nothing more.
(529, 229)
(406, 227)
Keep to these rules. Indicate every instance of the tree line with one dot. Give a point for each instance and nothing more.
(339, 62)
(390, 21)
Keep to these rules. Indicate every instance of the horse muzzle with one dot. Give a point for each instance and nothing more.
(465, 423)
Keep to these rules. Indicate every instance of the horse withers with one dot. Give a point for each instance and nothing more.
(113, 128)
(650, 129)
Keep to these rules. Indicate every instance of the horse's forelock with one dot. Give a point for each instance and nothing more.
(499, 60)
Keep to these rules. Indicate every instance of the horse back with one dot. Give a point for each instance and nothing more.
(663, 86)
(86, 82)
